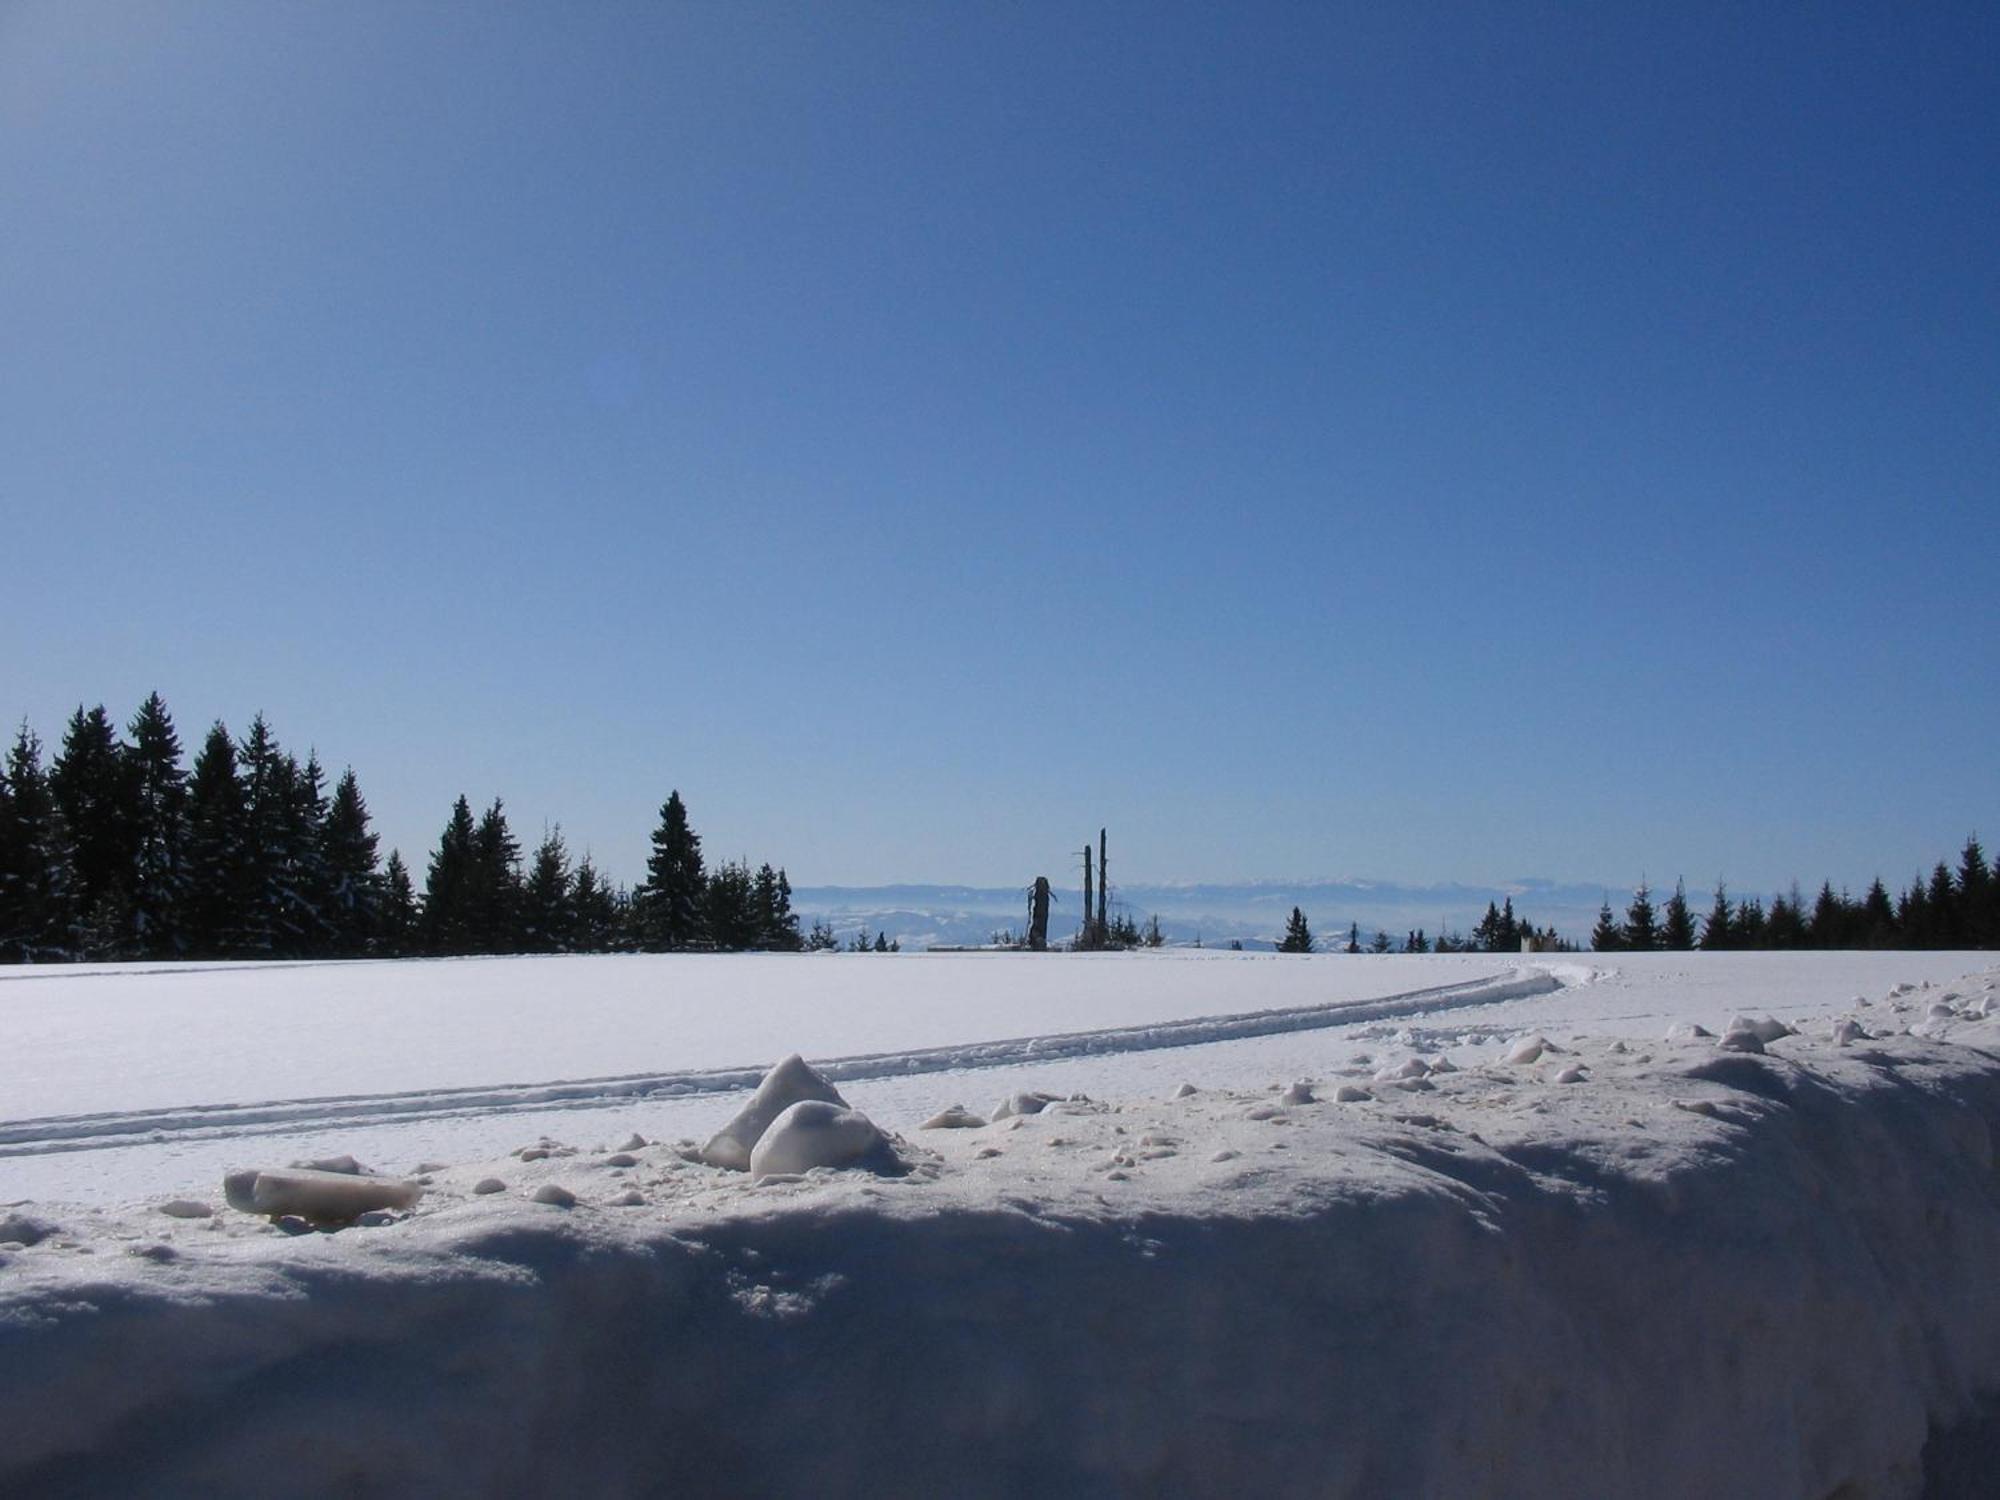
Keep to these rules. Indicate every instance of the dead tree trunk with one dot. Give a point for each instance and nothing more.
(1103, 888)
(1089, 932)
(1038, 915)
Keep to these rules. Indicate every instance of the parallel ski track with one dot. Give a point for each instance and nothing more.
(93, 1132)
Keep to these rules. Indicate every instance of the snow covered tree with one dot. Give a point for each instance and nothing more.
(1642, 928)
(159, 834)
(1677, 930)
(672, 900)
(1607, 936)
(1298, 935)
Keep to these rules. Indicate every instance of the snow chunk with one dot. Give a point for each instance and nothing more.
(1299, 1093)
(1768, 1030)
(1741, 1041)
(553, 1194)
(1414, 1067)
(186, 1208)
(345, 1164)
(1573, 1073)
(487, 1185)
(1688, 1031)
(814, 1133)
(1186, 1090)
(1527, 1050)
(317, 1197)
(789, 1083)
(1847, 1032)
(1349, 1093)
(955, 1117)
(1031, 1103)
(25, 1229)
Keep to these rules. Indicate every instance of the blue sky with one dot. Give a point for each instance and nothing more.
(1431, 443)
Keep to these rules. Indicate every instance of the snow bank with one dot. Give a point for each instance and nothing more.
(1693, 1271)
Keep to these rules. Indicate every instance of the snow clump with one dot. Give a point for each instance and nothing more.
(813, 1133)
(317, 1197)
(790, 1082)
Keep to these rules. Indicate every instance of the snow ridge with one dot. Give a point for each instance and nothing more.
(85, 1132)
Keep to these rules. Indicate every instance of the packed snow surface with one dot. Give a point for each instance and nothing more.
(1236, 1224)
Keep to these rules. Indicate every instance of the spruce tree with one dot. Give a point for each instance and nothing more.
(1677, 930)
(1827, 927)
(596, 914)
(764, 908)
(1718, 928)
(1785, 928)
(160, 833)
(447, 923)
(732, 908)
(217, 869)
(496, 884)
(1607, 936)
(91, 781)
(1942, 899)
(788, 939)
(547, 914)
(1975, 897)
(1878, 917)
(1752, 928)
(1642, 929)
(39, 921)
(396, 931)
(354, 889)
(1298, 935)
(268, 790)
(672, 900)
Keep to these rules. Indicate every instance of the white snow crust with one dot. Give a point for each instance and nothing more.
(1491, 1235)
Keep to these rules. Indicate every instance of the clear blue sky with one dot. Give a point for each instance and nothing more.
(1419, 442)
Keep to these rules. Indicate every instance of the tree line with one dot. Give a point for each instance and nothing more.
(116, 850)
(1946, 909)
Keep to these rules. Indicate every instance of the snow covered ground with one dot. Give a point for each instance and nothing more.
(1507, 1239)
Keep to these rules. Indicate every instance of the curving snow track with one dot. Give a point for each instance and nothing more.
(85, 1132)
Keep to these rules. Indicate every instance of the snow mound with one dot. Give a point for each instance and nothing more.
(317, 1197)
(953, 1117)
(813, 1133)
(791, 1082)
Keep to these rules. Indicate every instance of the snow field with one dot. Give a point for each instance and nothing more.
(1502, 1244)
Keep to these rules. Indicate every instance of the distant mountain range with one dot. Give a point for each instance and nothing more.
(1253, 913)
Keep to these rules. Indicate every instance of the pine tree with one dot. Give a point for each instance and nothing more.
(1913, 915)
(396, 931)
(787, 937)
(38, 908)
(1878, 917)
(160, 833)
(91, 781)
(354, 888)
(732, 907)
(495, 888)
(447, 925)
(764, 909)
(673, 898)
(268, 779)
(1677, 930)
(217, 874)
(1785, 928)
(1298, 936)
(1642, 930)
(594, 911)
(1828, 925)
(547, 914)
(1718, 927)
(1975, 897)
(1607, 936)
(1942, 899)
